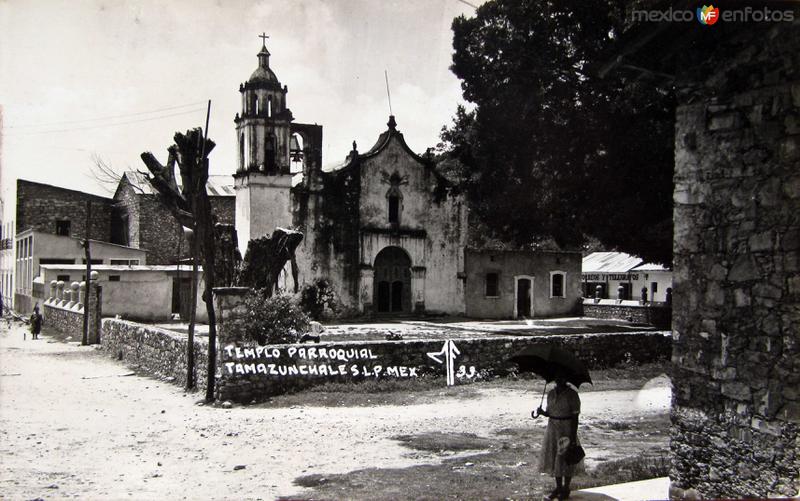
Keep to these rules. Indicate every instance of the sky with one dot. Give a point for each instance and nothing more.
(109, 79)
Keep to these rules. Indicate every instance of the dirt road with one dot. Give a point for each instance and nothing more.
(75, 424)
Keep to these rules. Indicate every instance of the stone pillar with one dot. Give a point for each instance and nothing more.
(736, 312)
(59, 291)
(668, 299)
(365, 289)
(620, 292)
(53, 287)
(73, 294)
(644, 295)
(82, 295)
(418, 288)
(598, 293)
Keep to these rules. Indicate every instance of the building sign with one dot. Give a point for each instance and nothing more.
(604, 277)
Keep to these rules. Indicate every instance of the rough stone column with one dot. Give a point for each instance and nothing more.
(59, 291)
(736, 321)
(231, 315)
(53, 287)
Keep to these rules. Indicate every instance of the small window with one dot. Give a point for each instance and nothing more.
(124, 262)
(557, 284)
(113, 278)
(94, 261)
(491, 285)
(653, 287)
(394, 209)
(63, 278)
(62, 227)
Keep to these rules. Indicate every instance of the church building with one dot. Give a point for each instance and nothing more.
(385, 229)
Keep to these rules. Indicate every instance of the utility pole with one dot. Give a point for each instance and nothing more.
(195, 245)
(87, 289)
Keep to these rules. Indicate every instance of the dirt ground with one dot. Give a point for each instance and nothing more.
(75, 424)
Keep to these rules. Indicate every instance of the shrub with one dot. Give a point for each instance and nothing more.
(274, 320)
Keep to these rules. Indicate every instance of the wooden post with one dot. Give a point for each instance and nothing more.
(88, 253)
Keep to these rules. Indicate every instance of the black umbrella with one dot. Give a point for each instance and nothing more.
(547, 360)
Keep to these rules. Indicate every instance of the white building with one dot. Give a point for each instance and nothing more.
(611, 270)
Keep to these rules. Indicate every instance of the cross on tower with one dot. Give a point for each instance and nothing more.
(263, 36)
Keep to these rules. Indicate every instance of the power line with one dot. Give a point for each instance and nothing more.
(83, 120)
(104, 125)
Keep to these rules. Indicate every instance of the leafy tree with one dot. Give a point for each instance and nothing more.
(550, 149)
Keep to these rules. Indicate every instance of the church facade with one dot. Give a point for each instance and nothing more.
(385, 229)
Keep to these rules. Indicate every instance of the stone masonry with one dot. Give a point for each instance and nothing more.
(39, 206)
(736, 399)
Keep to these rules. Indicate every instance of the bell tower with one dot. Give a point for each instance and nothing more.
(262, 180)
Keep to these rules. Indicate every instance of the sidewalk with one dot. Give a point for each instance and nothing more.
(656, 488)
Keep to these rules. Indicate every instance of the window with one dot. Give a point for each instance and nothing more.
(124, 262)
(113, 278)
(63, 278)
(62, 227)
(394, 209)
(557, 284)
(94, 261)
(491, 285)
(653, 287)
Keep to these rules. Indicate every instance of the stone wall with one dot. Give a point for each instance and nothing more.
(659, 315)
(39, 206)
(253, 373)
(736, 401)
(156, 352)
(67, 316)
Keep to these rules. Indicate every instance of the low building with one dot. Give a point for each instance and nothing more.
(35, 248)
(521, 284)
(622, 276)
(137, 292)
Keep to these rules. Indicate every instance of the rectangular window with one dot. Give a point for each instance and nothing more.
(55, 260)
(94, 261)
(124, 262)
(113, 278)
(653, 287)
(63, 278)
(394, 209)
(556, 285)
(62, 227)
(491, 285)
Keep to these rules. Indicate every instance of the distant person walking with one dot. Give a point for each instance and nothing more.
(36, 322)
(560, 457)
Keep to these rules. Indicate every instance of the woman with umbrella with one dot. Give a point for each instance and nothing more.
(561, 454)
(563, 408)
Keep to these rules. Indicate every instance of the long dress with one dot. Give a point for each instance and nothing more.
(560, 403)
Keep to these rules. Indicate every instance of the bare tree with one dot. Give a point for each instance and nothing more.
(190, 206)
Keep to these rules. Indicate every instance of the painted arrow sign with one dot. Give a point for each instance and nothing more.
(449, 352)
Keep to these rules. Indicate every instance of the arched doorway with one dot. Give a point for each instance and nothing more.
(392, 281)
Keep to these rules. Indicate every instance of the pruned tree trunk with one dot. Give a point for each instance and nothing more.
(189, 204)
(266, 257)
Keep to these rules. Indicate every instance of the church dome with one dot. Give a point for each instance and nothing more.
(263, 75)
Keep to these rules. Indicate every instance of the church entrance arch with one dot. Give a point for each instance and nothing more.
(392, 281)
